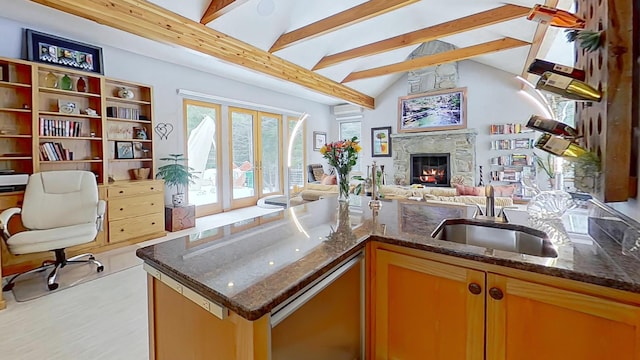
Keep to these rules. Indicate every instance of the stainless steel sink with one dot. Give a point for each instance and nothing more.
(499, 236)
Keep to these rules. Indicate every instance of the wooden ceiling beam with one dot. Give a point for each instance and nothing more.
(150, 21)
(218, 8)
(356, 14)
(536, 44)
(437, 59)
(467, 23)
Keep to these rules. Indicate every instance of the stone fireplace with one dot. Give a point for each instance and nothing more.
(458, 145)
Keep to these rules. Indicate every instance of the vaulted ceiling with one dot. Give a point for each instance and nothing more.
(344, 50)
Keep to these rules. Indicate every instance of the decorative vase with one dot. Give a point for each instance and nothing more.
(177, 200)
(125, 93)
(343, 185)
(65, 83)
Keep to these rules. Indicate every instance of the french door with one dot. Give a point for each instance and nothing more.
(202, 128)
(255, 156)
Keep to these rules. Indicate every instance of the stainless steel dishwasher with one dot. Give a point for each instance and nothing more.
(325, 320)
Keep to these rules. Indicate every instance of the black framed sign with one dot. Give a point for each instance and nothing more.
(124, 150)
(381, 141)
(55, 50)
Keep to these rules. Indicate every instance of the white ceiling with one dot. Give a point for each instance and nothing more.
(246, 24)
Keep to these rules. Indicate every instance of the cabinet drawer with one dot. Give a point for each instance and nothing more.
(125, 229)
(135, 206)
(135, 188)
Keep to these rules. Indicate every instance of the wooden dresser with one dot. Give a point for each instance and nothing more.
(135, 211)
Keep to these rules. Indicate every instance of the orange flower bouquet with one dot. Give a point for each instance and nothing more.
(343, 156)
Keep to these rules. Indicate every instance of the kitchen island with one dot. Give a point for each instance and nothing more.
(242, 291)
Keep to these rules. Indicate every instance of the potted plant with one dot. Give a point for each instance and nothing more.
(178, 175)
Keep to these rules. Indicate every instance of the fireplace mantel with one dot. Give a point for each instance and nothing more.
(461, 144)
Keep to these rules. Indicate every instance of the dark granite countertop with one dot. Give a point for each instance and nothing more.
(253, 266)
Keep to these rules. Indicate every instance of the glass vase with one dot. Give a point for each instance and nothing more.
(343, 185)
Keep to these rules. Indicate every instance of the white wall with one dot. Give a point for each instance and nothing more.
(492, 97)
(167, 78)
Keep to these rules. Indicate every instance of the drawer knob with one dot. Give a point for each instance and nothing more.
(152, 204)
(121, 191)
(152, 188)
(475, 289)
(121, 229)
(121, 209)
(153, 223)
(496, 293)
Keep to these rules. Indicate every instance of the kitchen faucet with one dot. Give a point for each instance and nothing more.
(490, 207)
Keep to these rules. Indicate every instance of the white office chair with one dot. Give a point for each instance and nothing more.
(60, 209)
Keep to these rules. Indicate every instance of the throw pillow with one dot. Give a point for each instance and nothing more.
(318, 173)
(329, 180)
(504, 190)
(469, 190)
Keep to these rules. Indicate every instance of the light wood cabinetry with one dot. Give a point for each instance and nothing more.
(424, 307)
(421, 306)
(135, 211)
(532, 321)
(56, 118)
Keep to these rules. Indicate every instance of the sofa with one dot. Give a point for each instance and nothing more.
(313, 192)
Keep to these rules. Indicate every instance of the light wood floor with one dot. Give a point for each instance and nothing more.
(103, 319)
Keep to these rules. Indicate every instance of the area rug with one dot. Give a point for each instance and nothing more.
(32, 286)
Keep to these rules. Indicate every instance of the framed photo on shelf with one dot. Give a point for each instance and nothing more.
(55, 50)
(68, 107)
(319, 140)
(124, 150)
(381, 141)
(432, 111)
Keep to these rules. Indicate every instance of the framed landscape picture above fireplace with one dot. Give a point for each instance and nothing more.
(432, 111)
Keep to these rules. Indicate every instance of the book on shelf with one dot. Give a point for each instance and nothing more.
(502, 129)
(512, 160)
(50, 151)
(66, 128)
(511, 144)
(122, 112)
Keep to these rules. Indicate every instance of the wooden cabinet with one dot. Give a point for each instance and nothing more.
(423, 309)
(532, 321)
(135, 210)
(429, 309)
(129, 123)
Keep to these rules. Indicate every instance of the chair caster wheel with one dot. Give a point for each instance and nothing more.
(8, 287)
(53, 286)
(100, 268)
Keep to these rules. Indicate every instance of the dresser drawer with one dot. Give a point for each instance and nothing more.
(121, 208)
(135, 188)
(125, 229)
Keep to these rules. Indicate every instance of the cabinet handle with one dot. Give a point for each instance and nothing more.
(121, 209)
(152, 188)
(153, 223)
(496, 293)
(475, 289)
(121, 230)
(152, 204)
(121, 192)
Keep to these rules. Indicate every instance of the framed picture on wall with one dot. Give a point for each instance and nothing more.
(319, 140)
(55, 50)
(435, 110)
(381, 141)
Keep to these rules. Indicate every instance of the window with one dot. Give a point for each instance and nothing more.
(349, 129)
(297, 170)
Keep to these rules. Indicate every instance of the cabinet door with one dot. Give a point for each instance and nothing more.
(533, 321)
(425, 310)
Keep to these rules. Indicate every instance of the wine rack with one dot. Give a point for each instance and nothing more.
(607, 125)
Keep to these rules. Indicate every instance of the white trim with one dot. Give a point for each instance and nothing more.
(199, 95)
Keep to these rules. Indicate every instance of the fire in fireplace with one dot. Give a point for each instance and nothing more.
(430, 169)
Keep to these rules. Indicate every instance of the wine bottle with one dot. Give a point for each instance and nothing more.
(81, 85)
(555, 17)
(551, 127)
(568, 87)
(539, 67)
(559, 146)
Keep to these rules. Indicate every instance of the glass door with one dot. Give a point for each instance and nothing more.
(270, 174)
(256, 155)
(203, 154)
